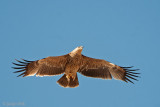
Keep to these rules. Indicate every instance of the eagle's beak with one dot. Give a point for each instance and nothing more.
(82, 47)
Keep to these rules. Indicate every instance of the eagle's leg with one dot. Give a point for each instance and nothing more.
(68, 81)
(69, 76)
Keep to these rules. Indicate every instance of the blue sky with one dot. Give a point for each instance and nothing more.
(124, 32)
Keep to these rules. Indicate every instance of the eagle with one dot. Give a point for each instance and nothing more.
(74, 62)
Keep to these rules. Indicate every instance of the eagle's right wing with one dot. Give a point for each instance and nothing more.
(45, 67)
(99, 68)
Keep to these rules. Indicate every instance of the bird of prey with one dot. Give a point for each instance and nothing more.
(72, 63)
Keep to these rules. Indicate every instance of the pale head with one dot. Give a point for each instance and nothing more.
(76, 51)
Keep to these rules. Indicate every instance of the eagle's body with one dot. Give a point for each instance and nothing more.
(72, 63)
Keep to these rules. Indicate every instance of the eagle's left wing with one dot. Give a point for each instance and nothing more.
(98, 68)
(45, 67)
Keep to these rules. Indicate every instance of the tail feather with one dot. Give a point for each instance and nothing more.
(74, 83)
(63, 81)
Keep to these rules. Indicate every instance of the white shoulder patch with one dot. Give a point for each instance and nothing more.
(112, 64)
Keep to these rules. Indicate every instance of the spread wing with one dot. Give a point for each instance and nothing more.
(98, 68)
(45, 67)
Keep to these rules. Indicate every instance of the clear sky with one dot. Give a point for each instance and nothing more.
(124, 32)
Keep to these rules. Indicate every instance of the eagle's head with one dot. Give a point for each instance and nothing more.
(80, 47)
(76, 51)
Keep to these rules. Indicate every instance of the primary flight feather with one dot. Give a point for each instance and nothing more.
(72, 63)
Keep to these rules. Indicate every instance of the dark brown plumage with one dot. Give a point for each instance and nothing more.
(72, 63)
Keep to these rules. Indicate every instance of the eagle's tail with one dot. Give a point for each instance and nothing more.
(63, 81)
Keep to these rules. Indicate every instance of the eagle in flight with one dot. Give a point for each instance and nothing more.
(72, 63)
